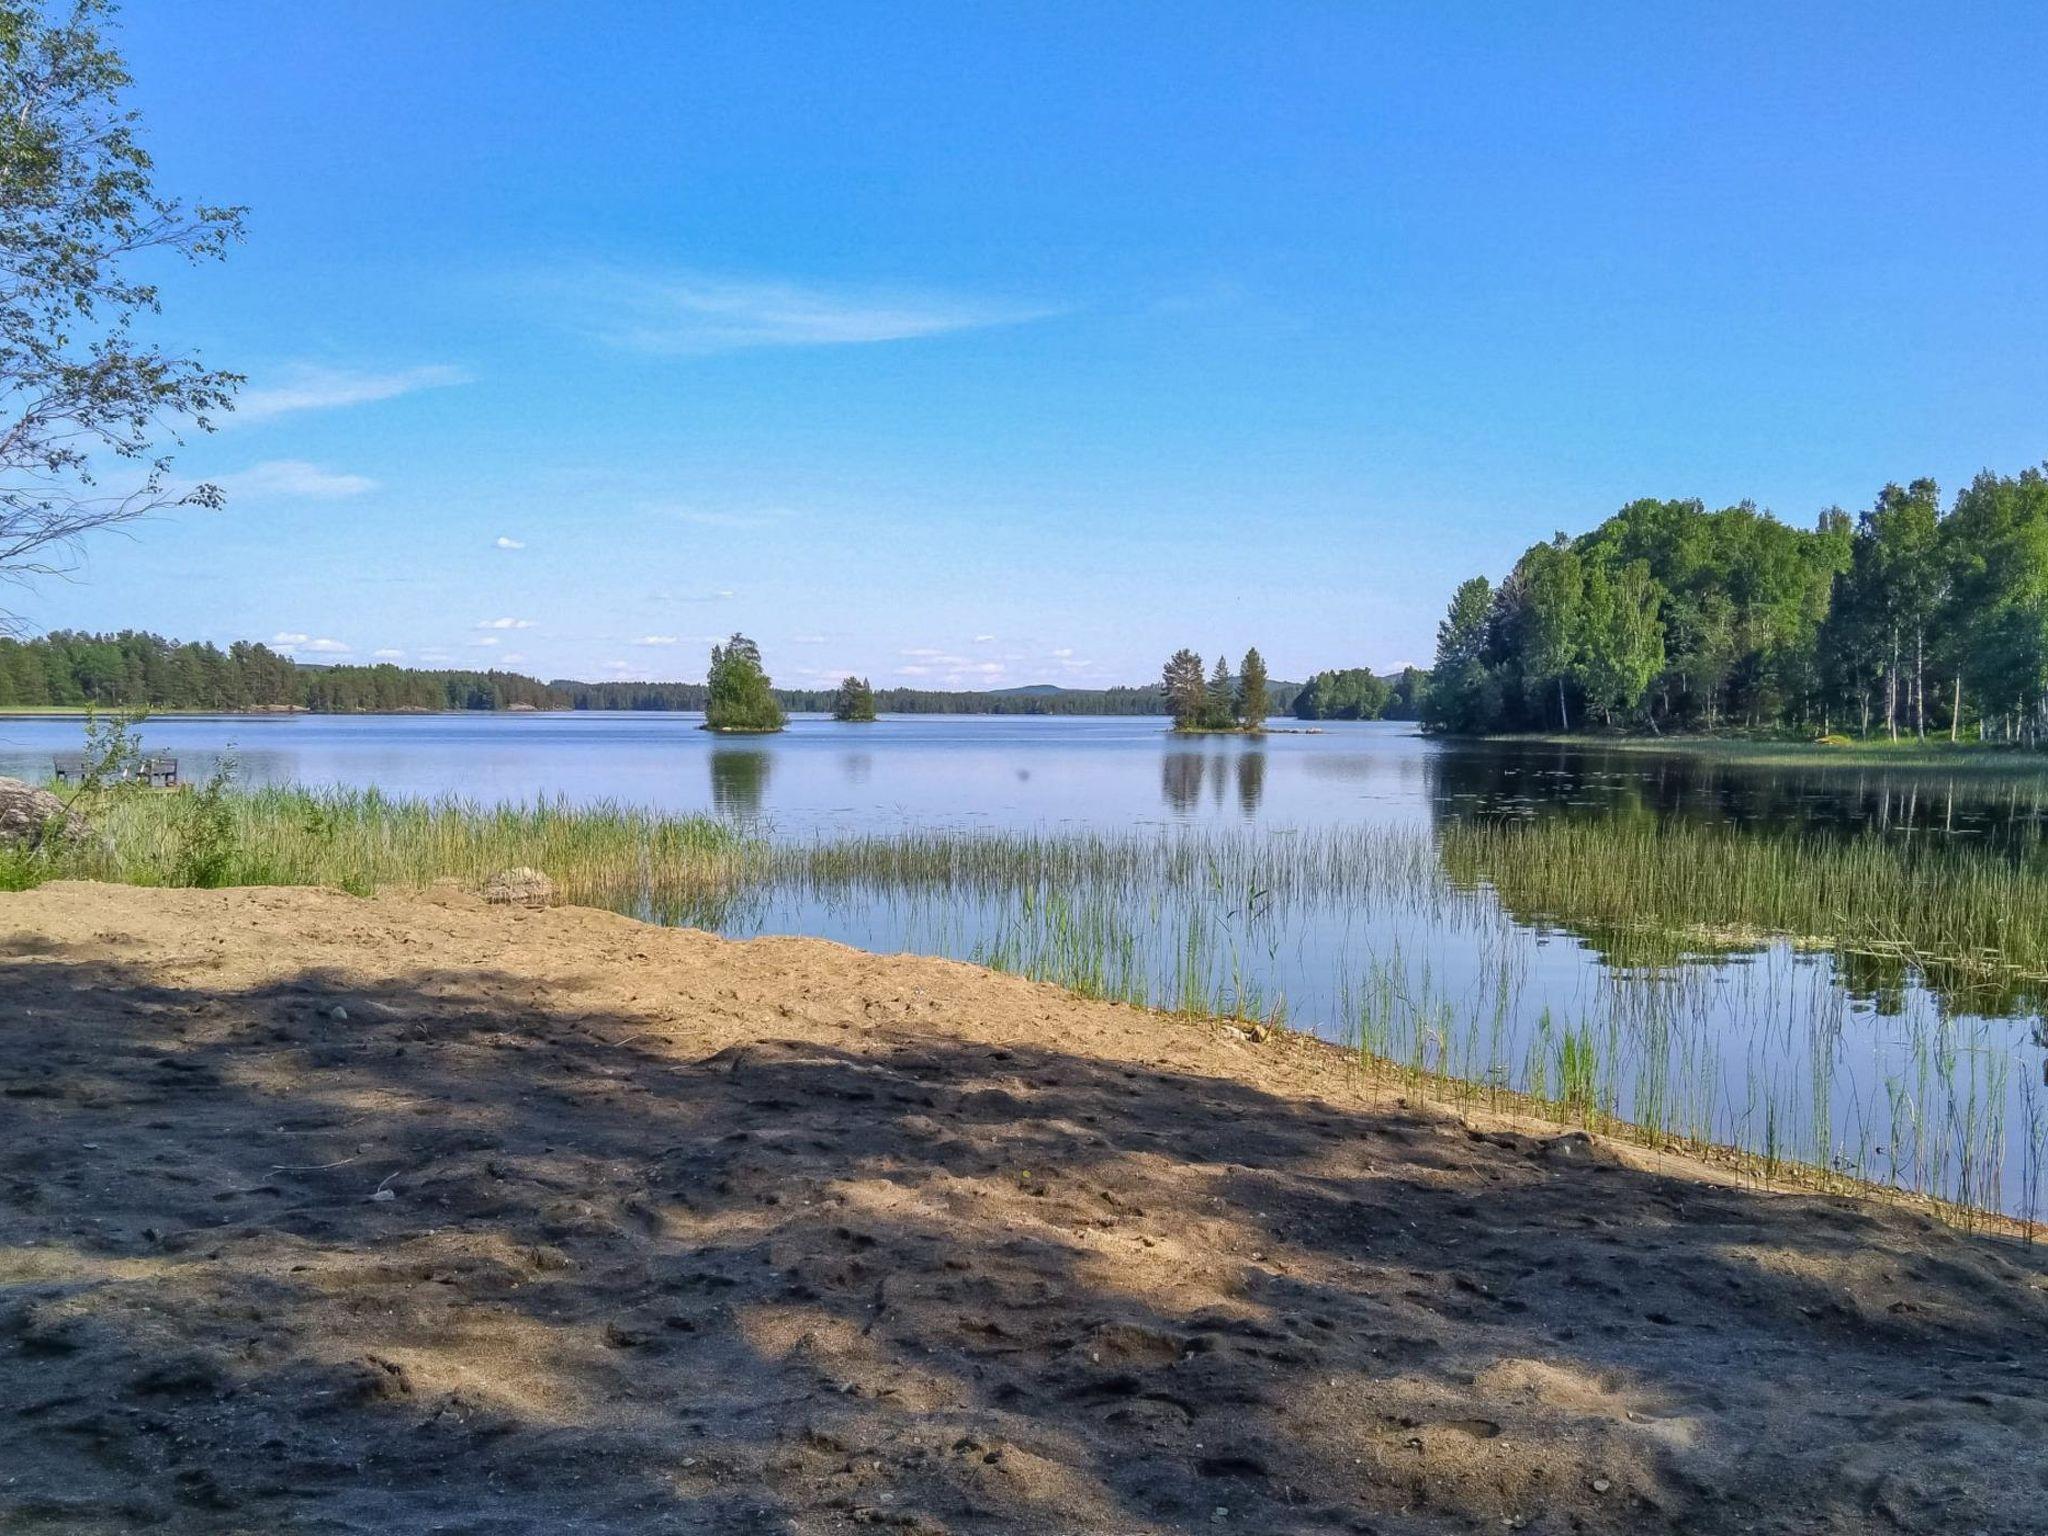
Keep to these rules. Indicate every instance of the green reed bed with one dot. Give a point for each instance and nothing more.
(673, 867)
(1955, 912)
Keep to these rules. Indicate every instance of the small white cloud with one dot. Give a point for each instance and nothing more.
(485, 640)
(984, 639)
(1063, 652)
(311, 388)
(289, 637)
(388, 653)
(502, 542)
(295, 480)
(659, 640)
(504, 624)
(682, 314)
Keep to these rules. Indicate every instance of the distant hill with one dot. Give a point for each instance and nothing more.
(1032, 690)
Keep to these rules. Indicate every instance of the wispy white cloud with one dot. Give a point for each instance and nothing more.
(504, 623)
(388, 653)
(502, 542)
(692, 313)
(295, 642)
(310, 387)
(659, 640)
(486, 640)
(984, 639)
(294, 480)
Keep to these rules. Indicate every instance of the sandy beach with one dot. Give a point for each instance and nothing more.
(320, 1214)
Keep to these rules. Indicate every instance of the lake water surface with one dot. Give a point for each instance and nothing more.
(1761, 1044)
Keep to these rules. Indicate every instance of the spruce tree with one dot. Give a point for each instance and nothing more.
(1218, 715)
(1254, 703)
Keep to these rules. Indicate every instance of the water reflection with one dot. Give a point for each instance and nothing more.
(1184, 773)
(858, 767)
(1251, 781)
(1505, 779)
(739, 780)
(1180, 781)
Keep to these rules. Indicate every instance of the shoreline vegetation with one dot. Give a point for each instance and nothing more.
(1061, 907)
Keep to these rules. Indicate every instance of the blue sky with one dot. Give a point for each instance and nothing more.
(987, 345)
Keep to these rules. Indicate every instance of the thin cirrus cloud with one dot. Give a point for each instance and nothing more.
(310, 387)
(504, 623)
(294, 480)
(659, 640)
(684, 314)
(504, 542)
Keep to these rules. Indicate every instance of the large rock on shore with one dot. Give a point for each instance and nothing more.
(521, 887)
(29, 815)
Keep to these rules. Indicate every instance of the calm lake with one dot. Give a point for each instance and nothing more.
(1303, 884)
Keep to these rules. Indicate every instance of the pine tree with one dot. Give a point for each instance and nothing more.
(1187, 696)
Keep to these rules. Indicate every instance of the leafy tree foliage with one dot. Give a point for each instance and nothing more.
(854, 702)
(738, 695)
(1464, 690)
(1352, 693)
(1903, 620)
(88, 408)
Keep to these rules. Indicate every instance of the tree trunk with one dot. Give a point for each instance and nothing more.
(1563, 715)
(1955, 714)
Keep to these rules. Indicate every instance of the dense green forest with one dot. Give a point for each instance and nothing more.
(1906, 619)
(134, 670)
(1354, 693)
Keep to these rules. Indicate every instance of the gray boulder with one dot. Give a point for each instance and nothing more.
(29, 816)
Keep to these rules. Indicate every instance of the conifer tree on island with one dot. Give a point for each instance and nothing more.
(1187, 694)
(740, 696)
(87, 407)
(1254, 703)
(1216, 715)
(854, 702)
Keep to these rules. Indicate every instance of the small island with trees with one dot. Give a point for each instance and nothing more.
(854, 703)
(740, 699)
(1217, 703)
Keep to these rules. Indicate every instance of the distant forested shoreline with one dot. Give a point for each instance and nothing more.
(132, 669)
